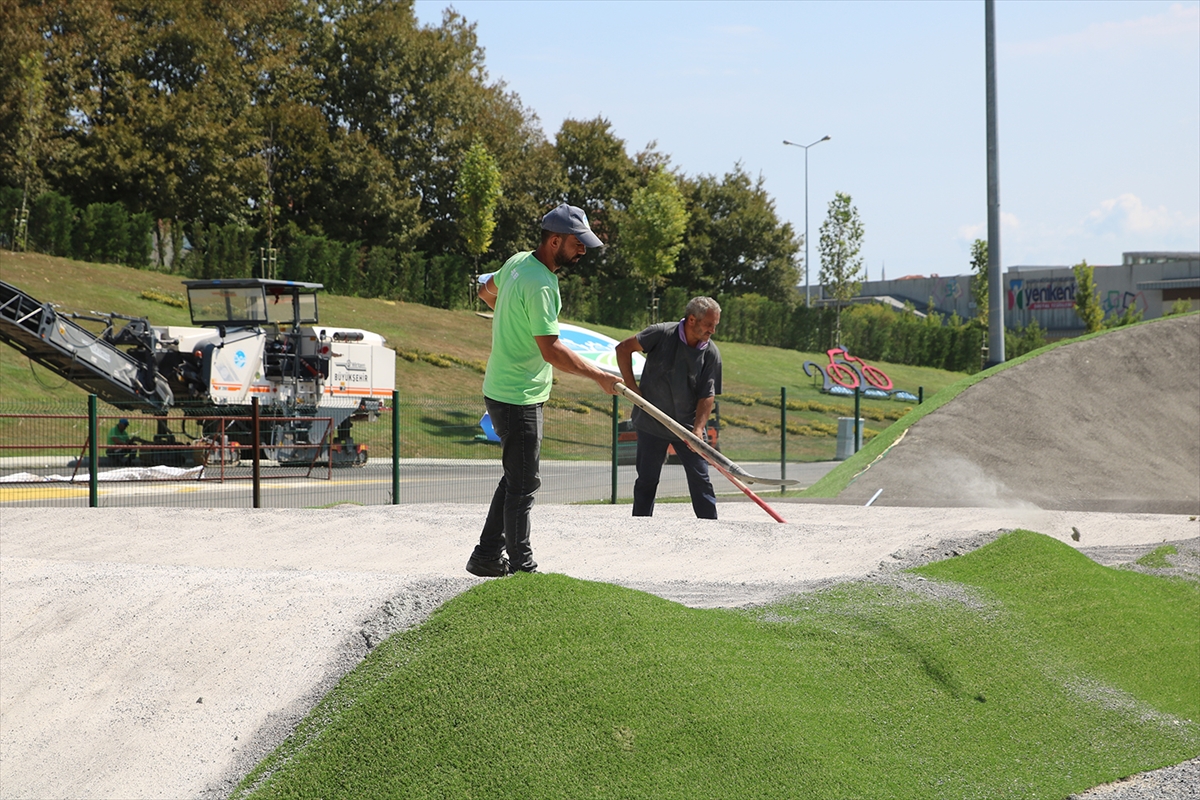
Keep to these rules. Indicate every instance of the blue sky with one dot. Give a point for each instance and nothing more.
(1098, 108)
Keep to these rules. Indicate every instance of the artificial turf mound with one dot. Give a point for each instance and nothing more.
(1053, 675)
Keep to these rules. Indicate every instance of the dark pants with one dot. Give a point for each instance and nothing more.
(122, 456)
(507, 524)
(651, 452)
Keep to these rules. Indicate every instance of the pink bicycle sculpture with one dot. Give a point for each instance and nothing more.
(844, 373)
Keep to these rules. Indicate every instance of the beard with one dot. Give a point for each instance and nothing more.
(561, 259)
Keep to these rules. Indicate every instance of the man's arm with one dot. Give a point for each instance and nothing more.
(559, 356)
(704, 407)
(488, 292)
(625, 351)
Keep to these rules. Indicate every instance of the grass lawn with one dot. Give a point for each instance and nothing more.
(438, 372)
(1055, 674)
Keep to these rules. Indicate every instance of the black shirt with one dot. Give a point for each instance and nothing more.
(675, 377)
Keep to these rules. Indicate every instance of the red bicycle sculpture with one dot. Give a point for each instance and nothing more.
(849, 372)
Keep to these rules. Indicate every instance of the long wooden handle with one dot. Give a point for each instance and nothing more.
(705, 451)
(702, 447)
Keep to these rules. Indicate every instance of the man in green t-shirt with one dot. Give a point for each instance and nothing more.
(124, 454)
(520, 369)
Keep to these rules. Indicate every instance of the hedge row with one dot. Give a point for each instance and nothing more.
(98, 232)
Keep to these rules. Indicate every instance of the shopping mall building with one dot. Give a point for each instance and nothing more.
(1151, 282)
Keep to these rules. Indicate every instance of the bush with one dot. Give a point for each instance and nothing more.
(10, 205)
(448, 282)
(317, 259)
(102, 234)
(51, 221)
(141, 243)
(222, 251)
(410, 277)
(1023, 340)
(1180, 306)
(579, 300)
(1129, 316)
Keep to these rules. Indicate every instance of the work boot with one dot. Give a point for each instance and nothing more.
(488, 569)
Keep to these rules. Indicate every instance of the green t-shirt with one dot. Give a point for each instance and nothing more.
(527, 305)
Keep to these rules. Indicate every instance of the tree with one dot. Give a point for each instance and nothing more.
(979, 283)
(478, 191)
(735, 244)
(531, 175)
(1087, 298)
(653, 232)
(841, 266)
(600, 179)
(23, 95)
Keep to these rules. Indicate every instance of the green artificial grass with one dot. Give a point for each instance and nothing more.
(1157, 558)
(1121, 627)
(1053, 675)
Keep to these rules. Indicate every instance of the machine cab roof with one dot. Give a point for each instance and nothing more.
(241, 302)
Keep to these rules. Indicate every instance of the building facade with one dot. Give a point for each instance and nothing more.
(1151, 282)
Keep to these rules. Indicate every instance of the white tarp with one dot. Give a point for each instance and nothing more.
(122, 474)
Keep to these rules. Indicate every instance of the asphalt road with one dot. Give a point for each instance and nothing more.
(421, 481)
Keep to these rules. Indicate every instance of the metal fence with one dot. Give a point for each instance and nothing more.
(418, 450)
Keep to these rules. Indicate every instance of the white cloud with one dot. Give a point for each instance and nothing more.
(970, 233)
(1178, 27)
(1128, 214)
(1008, 224)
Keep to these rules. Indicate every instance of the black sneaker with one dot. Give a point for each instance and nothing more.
(488, 569)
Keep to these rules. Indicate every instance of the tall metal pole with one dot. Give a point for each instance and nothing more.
(995, 278)
(807, 293)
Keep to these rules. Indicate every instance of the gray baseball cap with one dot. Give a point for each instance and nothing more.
(571, 219)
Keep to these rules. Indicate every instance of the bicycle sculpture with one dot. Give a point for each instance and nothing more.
(844, 373)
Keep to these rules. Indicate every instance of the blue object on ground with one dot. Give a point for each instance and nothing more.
(485, 422)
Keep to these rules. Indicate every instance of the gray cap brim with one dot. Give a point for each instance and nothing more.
(589, 239)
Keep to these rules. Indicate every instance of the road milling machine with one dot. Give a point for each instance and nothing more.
(250, 337)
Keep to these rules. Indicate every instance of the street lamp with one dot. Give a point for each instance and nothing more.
(807, 297)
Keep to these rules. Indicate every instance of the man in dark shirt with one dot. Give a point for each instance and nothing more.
(681, 377)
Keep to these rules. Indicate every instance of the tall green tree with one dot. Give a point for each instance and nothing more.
(600, 174)
(652, 235)
(842, 270)
(531, 176)
(152, 108)
(412, 92)
(600, 177)
(1087, 298)
(21, 72)
(735, 243)
(979, 280)
(478, 191)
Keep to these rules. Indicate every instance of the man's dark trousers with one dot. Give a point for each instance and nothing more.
(651, 452)
(507, 524)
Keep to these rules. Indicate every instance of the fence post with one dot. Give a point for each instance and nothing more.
(256, 442)
(93, 454)
(857, 418)
(615, 418)
(920, 395)
(395, 447)
(783, 437)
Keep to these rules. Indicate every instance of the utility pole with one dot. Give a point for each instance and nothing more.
(995, 278)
